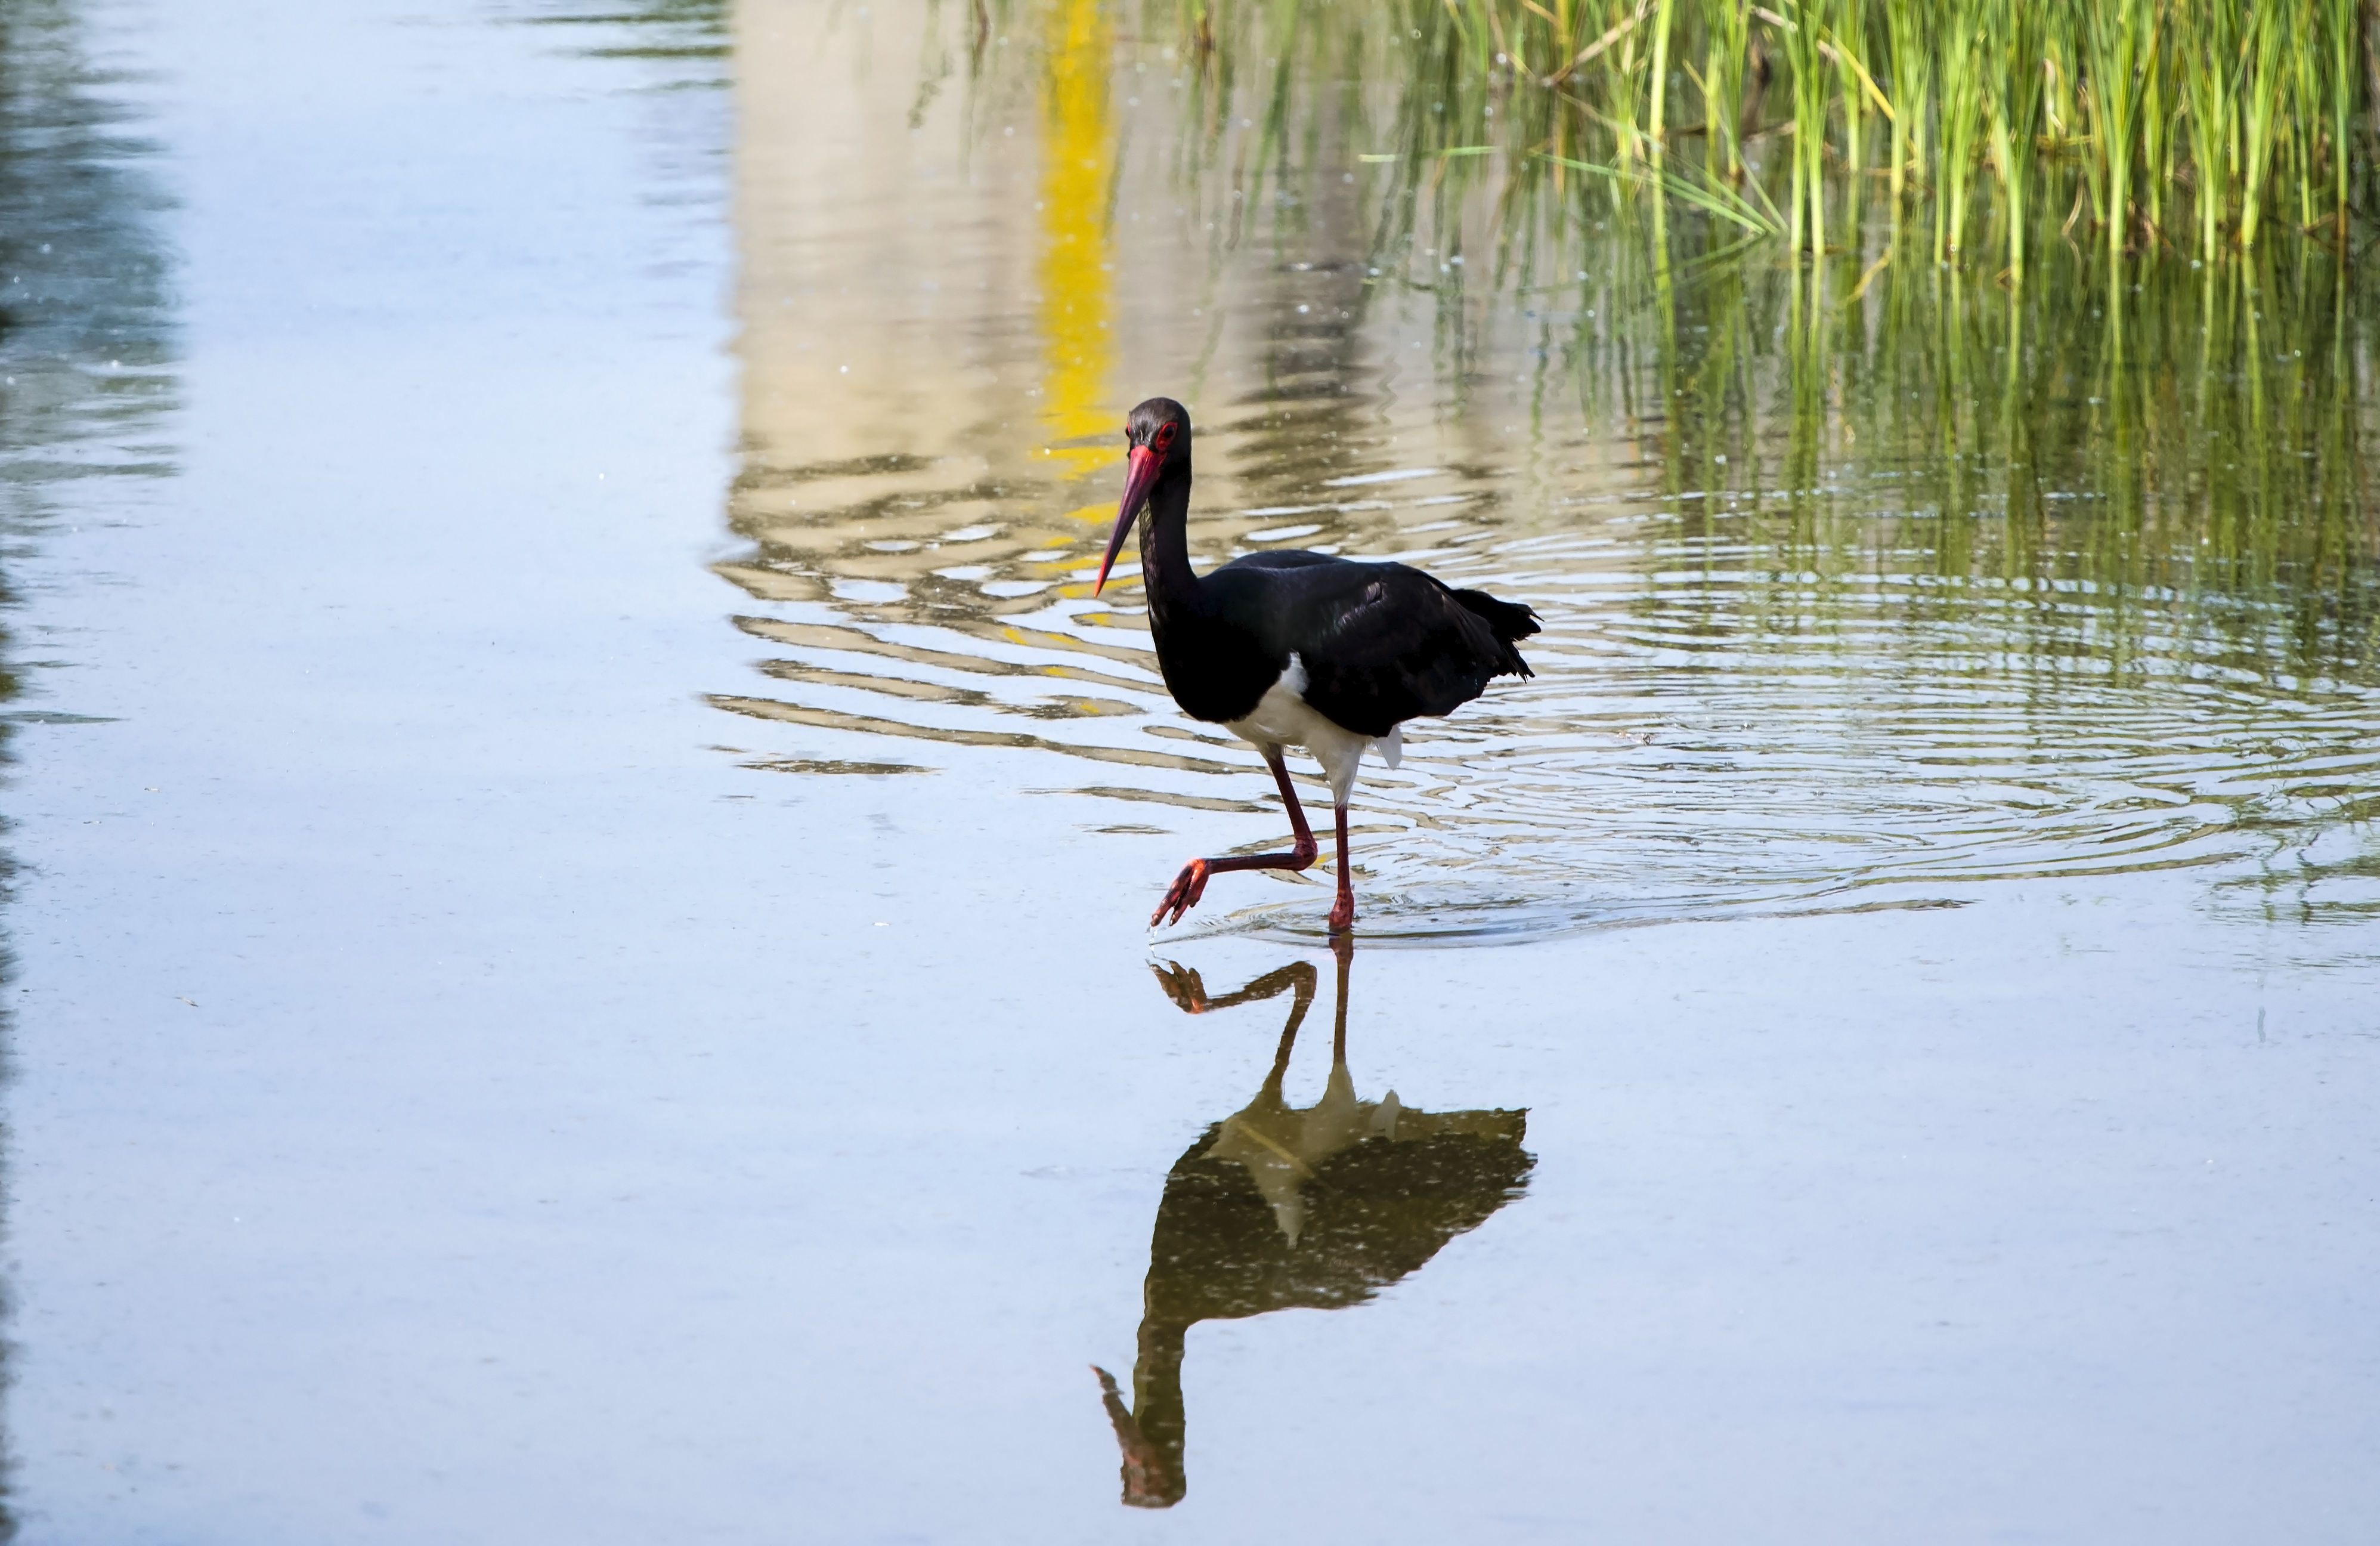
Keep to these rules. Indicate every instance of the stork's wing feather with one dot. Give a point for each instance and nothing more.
(1381, 643)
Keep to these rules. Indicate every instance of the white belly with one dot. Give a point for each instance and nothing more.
(1283, 717)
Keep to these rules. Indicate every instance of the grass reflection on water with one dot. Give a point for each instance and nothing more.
(1864, 581)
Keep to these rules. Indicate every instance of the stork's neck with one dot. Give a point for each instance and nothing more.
(1166, 576)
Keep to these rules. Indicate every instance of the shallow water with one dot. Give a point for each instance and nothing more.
(1826, 625)
(584, 848)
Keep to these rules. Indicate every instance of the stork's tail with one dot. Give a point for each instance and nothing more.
(1509, 621)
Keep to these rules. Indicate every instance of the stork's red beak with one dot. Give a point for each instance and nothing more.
(1142, 474)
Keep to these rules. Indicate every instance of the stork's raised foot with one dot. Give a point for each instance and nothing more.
(1182, 896)
(1191, 884)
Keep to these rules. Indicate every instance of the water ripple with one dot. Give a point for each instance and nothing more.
(1710, 732)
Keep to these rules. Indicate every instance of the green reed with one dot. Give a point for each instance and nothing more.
(2198, 126)
(2103, 460)
(2066, 399)
(1908, 71)
(2117, 44)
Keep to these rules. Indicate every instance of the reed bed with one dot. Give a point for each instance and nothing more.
(1970, 131)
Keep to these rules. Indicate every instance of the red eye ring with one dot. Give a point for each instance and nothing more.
(1163, 439)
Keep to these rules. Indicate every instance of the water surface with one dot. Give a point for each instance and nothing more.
(1849, 599)
(583, 850)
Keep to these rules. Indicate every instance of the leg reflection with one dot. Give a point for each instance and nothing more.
(1279, 1207)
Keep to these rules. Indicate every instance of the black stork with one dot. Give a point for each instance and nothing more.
(1289, 649)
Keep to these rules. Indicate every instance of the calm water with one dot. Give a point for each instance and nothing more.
(582, 844)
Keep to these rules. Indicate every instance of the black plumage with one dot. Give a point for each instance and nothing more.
(1381, 643)
(1293, 647)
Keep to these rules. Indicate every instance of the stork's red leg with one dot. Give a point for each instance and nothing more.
(1342, 912)
(1191, 884)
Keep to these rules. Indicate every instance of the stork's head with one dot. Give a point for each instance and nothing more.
(1156, 440)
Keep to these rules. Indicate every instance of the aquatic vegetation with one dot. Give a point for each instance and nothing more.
(2007, 577)
(2200, 126)
(2060, 243)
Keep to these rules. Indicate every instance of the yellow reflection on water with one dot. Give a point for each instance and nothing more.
(1077, 307)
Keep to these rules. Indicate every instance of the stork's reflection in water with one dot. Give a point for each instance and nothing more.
(1280, 1207)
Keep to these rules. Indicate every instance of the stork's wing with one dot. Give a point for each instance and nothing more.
(1380, 642)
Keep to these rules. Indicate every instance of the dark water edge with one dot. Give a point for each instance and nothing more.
(88, 355)
(87, 323)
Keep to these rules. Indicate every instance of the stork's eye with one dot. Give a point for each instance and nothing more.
(1163, 439)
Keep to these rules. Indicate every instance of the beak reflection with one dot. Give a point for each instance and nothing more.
(1279, 1207)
